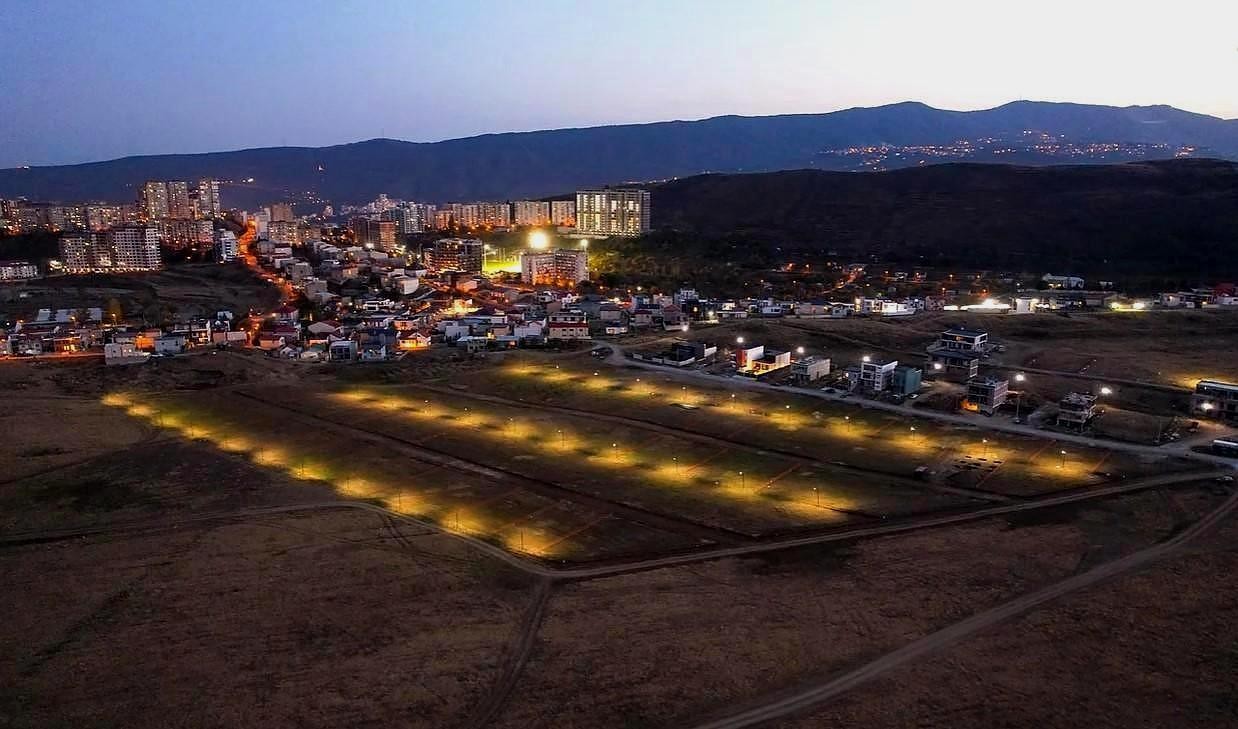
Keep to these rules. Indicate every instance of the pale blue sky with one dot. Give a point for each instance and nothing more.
(85, 80)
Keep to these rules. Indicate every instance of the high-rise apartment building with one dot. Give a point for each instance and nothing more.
(155, 200)
(618, 211)
(186, 235)
(281, 212)
(285, 232)
(560, 267)
(531, 212)
(407, 218)
(102, 217)
(208, 199)
(226, 246)
(466, 255)
(371, 233)
(127, 248)
(563, 212)
(179, 207)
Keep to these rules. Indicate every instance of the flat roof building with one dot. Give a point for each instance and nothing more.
(618, 212)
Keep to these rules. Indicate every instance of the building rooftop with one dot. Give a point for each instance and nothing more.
(962, 332)
(1216, 384)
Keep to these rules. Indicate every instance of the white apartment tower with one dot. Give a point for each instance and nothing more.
(618, 212)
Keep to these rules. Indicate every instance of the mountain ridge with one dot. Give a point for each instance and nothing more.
(504, 165)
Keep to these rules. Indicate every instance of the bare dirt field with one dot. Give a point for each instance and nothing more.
(322, 619)
(188, 600)
(720, 633)
(1152, 649)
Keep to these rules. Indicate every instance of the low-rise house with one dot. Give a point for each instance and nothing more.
(344, 350)
(811, 368)
(964, 340)
(1213, 399)
(770, 361)
(953, 365)
(986, 394)
(1075, 410)
(560, 331)
(408, 341)
(905, 380)
(171, 344)
(877, 374)
(373, 352)
(123, 353)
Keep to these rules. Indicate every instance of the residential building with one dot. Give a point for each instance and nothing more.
(1075, 410)
(286, 232)
(102, 217)
(407, 218)
(563, 330)
(226, 246)
(123, 353)
(953, 364)
(559, 267)
(877, 374)
(906, 380)
(207, 199)
(374, 234)
(281, 212)
(465, 255)
(18, 270)
(185, 234)
(965, 340)
(618, 212)
(178, 200)
(1215, 399)
(986, 394)
(155, 200)
(530, 212)
(127, 248)
(563, 213)
(810, 369)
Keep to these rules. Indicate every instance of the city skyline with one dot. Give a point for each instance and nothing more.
(404, 73)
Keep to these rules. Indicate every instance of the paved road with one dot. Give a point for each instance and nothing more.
(782, 706)
(1178, 449)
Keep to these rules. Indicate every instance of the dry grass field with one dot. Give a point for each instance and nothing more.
(1153, 649)
(320, 619)
(873, 441)
(722, 633)
(219, 582)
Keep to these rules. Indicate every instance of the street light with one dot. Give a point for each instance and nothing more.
(1063, 462)
(739, 340)
(743, 482)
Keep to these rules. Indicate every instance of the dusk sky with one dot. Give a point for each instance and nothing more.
(88, 80)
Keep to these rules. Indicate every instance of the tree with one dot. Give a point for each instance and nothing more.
(115, 312)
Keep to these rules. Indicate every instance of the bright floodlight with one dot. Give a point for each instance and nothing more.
(538, 240)
(1106, 390)
(739, 340)
(866, 358)
(1206, 406)
(1020, 377)
(799, 350)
